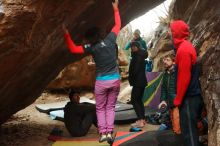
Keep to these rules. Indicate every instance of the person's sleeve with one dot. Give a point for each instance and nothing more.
(117, 26)
(128, 45)
(183, 76)
(144, 45)
(145, 54)
(163, 90)
(72, 46)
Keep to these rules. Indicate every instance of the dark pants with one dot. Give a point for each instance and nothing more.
(136, 100)
(190, 112)
(88, 120)
(83, 128)
(78, 118)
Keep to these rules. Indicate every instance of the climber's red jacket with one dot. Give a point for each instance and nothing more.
(185, 60)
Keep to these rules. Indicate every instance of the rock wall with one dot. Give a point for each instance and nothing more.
(161, 46)
(81, 74)
(77, 75)
(32, 50)
(204, 20)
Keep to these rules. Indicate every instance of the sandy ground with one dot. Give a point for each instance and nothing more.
(29, 127)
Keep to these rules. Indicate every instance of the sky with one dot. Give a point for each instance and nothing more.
(149, 21)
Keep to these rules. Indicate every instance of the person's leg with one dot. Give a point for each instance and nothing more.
(72, 121)
(175, 120)
(110, 106)
(93, 113)
(184, 123)
(136, 100)
(189, 113)
(101, 99)
(171, 117)
(142, 113)
(75, 130)
(86, 123)
(95, 120)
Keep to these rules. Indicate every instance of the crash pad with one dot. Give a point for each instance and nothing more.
(121, 117)
(129, 116)
(152, 138)
(123, 107)
(46, 108)
(79, 143)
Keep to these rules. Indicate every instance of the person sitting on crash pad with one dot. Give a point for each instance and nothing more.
(78, 117)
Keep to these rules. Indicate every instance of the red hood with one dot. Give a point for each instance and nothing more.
(180, 32)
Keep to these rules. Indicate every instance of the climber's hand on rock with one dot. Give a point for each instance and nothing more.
(115, 4)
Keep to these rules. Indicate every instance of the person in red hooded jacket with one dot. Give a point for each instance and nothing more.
(188, 97)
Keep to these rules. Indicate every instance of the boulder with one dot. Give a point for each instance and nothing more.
(32, 49)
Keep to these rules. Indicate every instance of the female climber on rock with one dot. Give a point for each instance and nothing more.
(107, 83)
